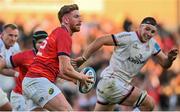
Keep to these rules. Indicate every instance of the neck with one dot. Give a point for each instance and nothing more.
(67, 28)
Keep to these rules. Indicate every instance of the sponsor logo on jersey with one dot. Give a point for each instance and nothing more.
(124, 35)
(157, 47)
(51, 91)
(135, 46)
(136, 60)
(41, 99)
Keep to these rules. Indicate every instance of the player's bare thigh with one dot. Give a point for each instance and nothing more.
(147, 104)
(59, 102)
(100, 107)
(6, 107)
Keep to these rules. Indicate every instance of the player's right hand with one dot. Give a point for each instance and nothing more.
(86, 79)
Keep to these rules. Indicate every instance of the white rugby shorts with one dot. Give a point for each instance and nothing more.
(20, 103)
(40, 90)
(17, 101)
(112, 90)
(3, 98)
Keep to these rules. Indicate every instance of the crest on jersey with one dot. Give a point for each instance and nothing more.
(51, 91)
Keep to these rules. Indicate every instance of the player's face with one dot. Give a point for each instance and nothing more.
(10, 36)
(39, 42)
(147, 31)
(75, 21)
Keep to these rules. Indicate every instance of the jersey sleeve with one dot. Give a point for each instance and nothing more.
(64, 44)
(156, 47)
(1, 49)
(121, 39)
(14, 60)
(16, 48)
(9, 62)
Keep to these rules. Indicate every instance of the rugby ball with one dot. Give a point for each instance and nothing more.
(90, 72)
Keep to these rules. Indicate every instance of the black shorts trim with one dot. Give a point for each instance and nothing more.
(102, 103)
(126, 96)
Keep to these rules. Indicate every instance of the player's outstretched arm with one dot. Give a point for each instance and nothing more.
(93, 47)
(167, 60)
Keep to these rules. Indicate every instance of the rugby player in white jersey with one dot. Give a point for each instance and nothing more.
(132, 50)
(8, 47)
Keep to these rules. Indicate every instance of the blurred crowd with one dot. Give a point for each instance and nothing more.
(162, 85)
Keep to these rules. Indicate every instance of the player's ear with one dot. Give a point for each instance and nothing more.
(65, 19)
(2, 34)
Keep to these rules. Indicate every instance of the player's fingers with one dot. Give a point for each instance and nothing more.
(174, 57)
(90, 81)
(174, 51)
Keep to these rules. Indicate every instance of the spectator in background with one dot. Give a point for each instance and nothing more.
(1, 26)
(127, 25)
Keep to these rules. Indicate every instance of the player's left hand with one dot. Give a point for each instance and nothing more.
(172, 54)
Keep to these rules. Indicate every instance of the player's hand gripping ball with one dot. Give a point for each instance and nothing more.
(90, 72)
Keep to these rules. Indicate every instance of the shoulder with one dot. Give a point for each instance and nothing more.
(24, 54)
(2, 46)
(59, 32)
(16, 47)
(1, 43)
(30, 51)
(123, 34)
(154, 44)
(126, 35)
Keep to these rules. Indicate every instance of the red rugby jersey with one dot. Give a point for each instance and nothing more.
(21, 60)
(46, 63)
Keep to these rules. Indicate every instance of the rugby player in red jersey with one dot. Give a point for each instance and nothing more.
(53, 59)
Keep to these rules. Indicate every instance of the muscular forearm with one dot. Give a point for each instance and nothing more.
(97, 44)
(9, 72)
(167, 63)
(62, 76)
(71, 73)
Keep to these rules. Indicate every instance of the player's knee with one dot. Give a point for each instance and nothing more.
(151, 104)
(67, 108)
(145, 102)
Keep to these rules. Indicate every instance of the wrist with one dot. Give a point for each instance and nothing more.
(84, 58)
(16, 74)
(81, 78)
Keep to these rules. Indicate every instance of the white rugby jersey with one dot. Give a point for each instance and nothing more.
(7, 82)
(129, 55)
(6, 53)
